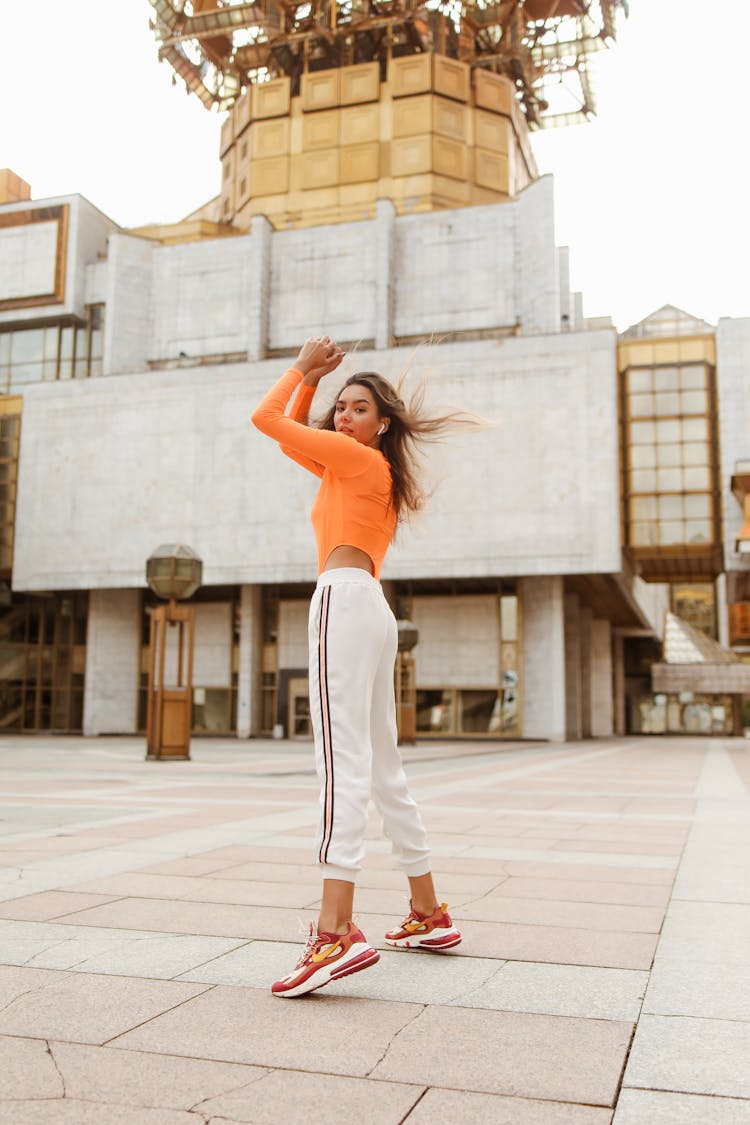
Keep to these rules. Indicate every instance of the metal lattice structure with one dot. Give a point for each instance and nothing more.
(220, 47)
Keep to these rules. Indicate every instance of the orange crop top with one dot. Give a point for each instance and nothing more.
(354, 503)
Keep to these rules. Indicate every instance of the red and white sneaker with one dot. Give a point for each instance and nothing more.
(425, 931)
(327, 957)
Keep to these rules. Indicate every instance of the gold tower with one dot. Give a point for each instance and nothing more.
(334, 104)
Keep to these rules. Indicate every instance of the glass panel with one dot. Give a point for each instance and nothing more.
(642, 456)
(698, 507)
(672, 531)
(695, 453)
(695, 429)
(479, 711)
(435, 710)
(693, 402)
(670, 507)
(643, 508)
(508, 617)
(669, 480)
(27, 346)
(643, 480)
(66, 342)
(641, 406)
(693, 376)
(668, 402)
(25, 373)
(96, 343)
(669, 455)
(4, 347)
(668, 431)
(640, 379)
(642, 433)
(698, 531)
(696, 478)
(666, 379)
(644, 534)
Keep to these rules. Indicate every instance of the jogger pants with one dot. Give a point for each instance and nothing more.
(353, 640)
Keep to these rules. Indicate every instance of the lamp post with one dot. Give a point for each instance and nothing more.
(406, 690)
(173, 572)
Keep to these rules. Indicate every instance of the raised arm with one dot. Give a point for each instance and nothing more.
(339, 452)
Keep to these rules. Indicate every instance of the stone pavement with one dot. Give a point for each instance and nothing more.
(603, 889)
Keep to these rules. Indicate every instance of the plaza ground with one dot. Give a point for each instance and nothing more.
(603, 888)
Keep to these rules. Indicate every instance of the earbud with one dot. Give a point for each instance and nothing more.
(381, 430)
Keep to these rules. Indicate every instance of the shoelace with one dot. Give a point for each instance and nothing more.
(312, 940)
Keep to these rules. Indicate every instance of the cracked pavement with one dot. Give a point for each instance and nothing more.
(602, 887)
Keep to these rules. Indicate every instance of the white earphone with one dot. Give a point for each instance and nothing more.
(381, 430)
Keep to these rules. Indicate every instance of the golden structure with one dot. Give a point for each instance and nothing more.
(334, 104)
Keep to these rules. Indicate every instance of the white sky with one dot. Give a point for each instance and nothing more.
(652, 197)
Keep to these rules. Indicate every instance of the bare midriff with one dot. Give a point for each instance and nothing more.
(346, 556)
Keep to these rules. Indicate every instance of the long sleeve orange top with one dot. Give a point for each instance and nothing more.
(354, 505)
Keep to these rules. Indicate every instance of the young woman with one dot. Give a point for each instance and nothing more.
(363, 452)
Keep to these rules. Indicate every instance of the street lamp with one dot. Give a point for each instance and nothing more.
(173, 572)
(406, 690)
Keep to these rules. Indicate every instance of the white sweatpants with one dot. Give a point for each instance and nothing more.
(353, 642)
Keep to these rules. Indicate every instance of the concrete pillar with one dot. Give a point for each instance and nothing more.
(572, 667)
(722, 610)
(602, 710)
(250, 661)
(543, 658)
(259, 288)
(128, 311)
(113, 647)
(618, 681)
(537, 279)
(385, 225)
(586, 619)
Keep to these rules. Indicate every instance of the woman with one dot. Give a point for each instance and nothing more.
(364, 454)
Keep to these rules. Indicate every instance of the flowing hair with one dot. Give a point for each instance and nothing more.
(409, 429)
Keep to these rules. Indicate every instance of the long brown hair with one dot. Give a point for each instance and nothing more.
(400, 444)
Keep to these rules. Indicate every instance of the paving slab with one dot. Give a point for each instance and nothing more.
(656, 1107)
(28, 1070)
(251, 1025)
(690, 1055)
(496, 1109)
(314, 1099)
(549, 912)
(72, 1112)
(91, 1009)
(131, 1078)
(698, 988)
(581, 890)
(531, 1056)
(50, 904)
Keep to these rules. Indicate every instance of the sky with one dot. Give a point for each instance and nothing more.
(652, 196)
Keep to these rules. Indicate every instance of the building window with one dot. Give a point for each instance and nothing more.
(68, 350)
(10, 433)
(669, 455)
(696, 604)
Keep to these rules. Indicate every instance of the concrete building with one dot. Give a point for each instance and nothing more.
(556, 540)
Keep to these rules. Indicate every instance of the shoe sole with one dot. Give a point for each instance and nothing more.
(445, 941)
(362, 960)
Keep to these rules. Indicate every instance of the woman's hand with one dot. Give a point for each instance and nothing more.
(318, 356)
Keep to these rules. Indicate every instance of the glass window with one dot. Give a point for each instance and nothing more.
(479, 711)
(640, 379)
(698, 531)
(670, 507)
(641, 406)
(666, 379)
(695, 429)
(643, 433)
(667, 402)
(668, 431)
(698, 507)
(643, 508)
(693, 376)
(693, 402)
(5, 348)
(643, 480)
(695, 453)
(697, 479)
(28, 346)
(644, 534)
(434, 710)
(671, 531)
(643, 456)
(669, 455)
(669, 480)
(508, 617)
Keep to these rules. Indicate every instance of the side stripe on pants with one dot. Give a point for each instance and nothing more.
(325, 714)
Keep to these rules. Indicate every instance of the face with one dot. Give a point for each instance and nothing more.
(357, 415)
